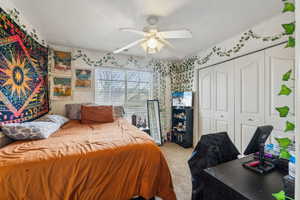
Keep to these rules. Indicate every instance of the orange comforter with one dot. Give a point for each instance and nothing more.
(112, 161)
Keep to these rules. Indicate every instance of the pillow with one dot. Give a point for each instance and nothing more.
(118, 112)
(4, 140)
(58, 119)
(29, 130)
(92, 114)
(73, 111)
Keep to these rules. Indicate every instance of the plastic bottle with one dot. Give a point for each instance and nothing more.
(292, 164)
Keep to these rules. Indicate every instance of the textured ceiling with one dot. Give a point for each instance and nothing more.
(94, 24)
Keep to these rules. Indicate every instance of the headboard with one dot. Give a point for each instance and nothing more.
(23, 74)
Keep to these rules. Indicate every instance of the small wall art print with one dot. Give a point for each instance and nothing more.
(83, 78)
(61, 87)
(62, 62)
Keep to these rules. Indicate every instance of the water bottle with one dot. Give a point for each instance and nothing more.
(292, 164)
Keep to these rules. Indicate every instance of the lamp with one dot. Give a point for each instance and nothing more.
(152, 45)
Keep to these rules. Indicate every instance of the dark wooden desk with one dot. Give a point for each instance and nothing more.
(230, 181)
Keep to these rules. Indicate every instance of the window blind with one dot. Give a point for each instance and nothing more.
(129, 88)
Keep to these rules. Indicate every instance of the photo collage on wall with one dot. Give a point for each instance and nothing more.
(62, 77)
(61, 82)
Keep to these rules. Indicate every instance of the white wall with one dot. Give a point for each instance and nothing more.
(7, 6)
(269, 27)
(87, 95)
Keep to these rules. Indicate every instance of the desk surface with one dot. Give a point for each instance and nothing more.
(249, 184)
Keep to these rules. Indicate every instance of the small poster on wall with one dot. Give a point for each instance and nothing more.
(83, 78)
(62, 62)
(61, 87)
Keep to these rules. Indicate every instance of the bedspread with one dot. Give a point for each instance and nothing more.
(110, 161)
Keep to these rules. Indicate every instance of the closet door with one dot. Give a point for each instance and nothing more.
(249, 97)
(206, 100)
(279, 60)
(224, 98)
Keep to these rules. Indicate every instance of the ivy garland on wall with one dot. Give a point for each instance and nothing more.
(109, 59)
(184, 81)
(183, 73)
(283, 111)
(16, 16)
(236, 48)
(106, 59)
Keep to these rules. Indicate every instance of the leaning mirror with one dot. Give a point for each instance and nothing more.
(154, 120)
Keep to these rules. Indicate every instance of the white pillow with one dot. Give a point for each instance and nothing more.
(29, 130)
(58, 119)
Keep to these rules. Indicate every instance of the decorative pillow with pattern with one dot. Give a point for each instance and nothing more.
(4, 140)
(58, 119)
(29, 130)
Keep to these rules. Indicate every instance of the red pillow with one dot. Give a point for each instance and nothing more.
(94, 114)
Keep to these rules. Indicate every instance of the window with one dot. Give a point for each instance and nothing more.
(129, 88)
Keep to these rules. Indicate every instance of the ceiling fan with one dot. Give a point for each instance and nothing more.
(153, 40)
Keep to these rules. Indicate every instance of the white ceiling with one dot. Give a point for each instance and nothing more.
(94, 24)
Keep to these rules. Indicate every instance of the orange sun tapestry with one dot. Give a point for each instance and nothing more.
(23, 74)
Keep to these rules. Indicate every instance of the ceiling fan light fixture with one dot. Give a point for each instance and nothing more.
(152, 45)
(154, 40)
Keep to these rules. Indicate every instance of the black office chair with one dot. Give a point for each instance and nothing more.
(211, 150)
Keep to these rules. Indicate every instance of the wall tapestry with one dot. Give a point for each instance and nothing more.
(17, 17)
(83, 78)
(23, 74)
(61, 87)
(62, 62)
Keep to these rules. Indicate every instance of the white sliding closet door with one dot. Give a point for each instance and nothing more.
(279, 60)
(249, 97)
(206, 101)
(224, 98)
(242, 94)
(216, 99)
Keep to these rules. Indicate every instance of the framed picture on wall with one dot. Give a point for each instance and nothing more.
(62, 63)
(83, 78)
(61, 87)
(154, 121)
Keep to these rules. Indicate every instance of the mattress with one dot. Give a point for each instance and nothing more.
(109, 161)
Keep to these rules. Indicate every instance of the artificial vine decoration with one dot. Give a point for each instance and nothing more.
(286, 90)
(163, 68)
(241, 43)
(106, 59)
(284, 143)
(281, 196)
(15, 15)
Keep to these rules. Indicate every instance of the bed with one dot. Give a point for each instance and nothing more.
(109, 161)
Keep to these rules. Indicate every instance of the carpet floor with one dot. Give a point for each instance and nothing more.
(177, 158)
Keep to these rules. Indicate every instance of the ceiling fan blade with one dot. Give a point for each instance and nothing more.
(166, 42)
(133, 31)
(176, 34)
(128, 46)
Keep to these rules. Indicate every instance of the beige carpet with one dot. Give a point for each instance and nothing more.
(177, 159)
